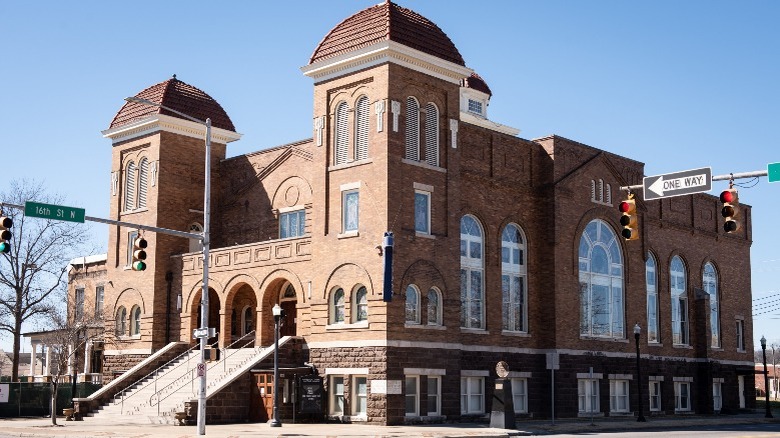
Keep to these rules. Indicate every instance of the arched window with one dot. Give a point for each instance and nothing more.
(679, 301)
(121, 321)
(130, 186)
(513, 279)
(434, 307)
(361, 128)
(341, 140)
(135, 321)
(337, 307)
(601, 282)
(361, 305)
(472, 294)
(431, 134)
(143, 182)
(412, 129)
(710, 284)
(249, 323)
(412, 305)
(651, 281)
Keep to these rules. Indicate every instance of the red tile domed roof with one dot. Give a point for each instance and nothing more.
(177, 95)
(476, 82)
(387, 22)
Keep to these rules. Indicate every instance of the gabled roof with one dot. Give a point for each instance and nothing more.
(387, 22)
(177, 95)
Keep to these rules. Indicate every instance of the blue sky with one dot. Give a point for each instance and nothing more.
(675, 85)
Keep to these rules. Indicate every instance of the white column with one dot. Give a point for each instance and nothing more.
(71, 364)
(34, 346)
(87, 358)
(48, 361)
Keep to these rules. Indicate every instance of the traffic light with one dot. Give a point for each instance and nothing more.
(730, 210)
(5, 233)
(628, 220)
(139, 254)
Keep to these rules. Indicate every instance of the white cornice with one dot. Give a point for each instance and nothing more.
(162, 122)
(485, 123)
(380, 53)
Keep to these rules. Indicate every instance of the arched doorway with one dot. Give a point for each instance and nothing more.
(243, 305)
(288, 302)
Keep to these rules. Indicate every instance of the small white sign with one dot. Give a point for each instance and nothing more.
(4, 389)
(379, 387)
(201, 369)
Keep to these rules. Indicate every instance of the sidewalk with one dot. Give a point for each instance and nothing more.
(89, 428)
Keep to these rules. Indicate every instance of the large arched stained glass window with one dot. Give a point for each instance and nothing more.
(513, 279)
(679, 293)
(651, 281)
(710, 283)
(601, 282)
(472, 296)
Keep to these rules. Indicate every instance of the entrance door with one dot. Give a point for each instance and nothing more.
(288, 328)
(741, 380)
(262, 403)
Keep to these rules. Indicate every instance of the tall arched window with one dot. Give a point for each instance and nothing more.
(341, 138)
(434, 307)
(135, 321)
(337, 307)
(121, 321)
(651, 281)
(361, 128)
(431, 134)
(412, 305)
(601, 282)
(130, 186)
(679, 296)
(143, 182)
(412, 129)
(513, 279)
(710, 283)
(361, 305)
(472, 295)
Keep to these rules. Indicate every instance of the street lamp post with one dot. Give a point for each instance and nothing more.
(637, 331)
(766, 379)
(204, 298)
(278, 314)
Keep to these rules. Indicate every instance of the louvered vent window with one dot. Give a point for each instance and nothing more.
(143, 181)
(412, 129)
(342, 134)
(431, 134)
(130, 186)
(361, 129)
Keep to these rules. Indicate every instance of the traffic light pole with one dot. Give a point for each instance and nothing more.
(727, 177)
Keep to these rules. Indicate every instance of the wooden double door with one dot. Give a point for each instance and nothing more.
(262, 402)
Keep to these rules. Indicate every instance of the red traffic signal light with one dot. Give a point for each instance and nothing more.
(628, 219)
(730, 210)
(5, 234)
(139, 254)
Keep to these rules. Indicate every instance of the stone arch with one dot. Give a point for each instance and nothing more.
(281, 197)
(347, 275)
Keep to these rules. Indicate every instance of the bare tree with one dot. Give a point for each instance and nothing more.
(35, 267)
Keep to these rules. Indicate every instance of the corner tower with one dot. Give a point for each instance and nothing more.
(157, 179)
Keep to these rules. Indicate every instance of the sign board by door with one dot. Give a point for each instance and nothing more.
(310, 394)
(4, 389)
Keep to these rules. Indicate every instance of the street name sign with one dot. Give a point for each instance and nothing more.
(773, 172)
(681, 183)
(56, 212)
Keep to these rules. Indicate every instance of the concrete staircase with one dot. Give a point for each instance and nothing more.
(157, 398)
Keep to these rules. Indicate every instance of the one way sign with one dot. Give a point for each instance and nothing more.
(679, 183)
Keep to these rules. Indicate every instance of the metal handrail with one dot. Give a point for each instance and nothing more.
(223, 360)
(127, 388)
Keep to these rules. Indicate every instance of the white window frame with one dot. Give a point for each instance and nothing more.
(284, 219)
(679, 294)
(130, 187)
(468, 395)
(357, 305)
(412, 151)
(651, 283)
(358, 396)
(412, 305)
(100, 292)
(678, 399)
(432, 134)
(362, 118)
(347, 227)
(436, 395)
(336, 393)
(588, 396)
(654, 392)
(135, 321)
(336, 305)
(598, 235)
(477, 108)
(426, 228)
(143, 183)
(78, 311)
(619, 396)
(717, 396)
(469, 268)
(341, 134)
(710, 285)
(430, 310)
(413, 395)
(120, 323)
(740, 335)
(520, 394)
(514, 280)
